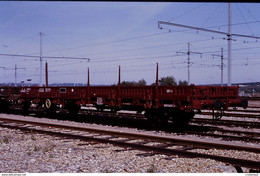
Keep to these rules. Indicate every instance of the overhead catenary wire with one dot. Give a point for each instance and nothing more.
(245, 20)
(210, 16)
(187, 12)
(248, 11)
(108, 42)
(47, 57)
(204, 29)
(115, 60)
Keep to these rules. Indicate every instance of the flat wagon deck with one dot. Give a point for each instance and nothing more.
(160, 103)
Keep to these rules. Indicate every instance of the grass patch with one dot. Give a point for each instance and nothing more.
(32, 136)
(152, 168)
(48, 147)
(6, 139)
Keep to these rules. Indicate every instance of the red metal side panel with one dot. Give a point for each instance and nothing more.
(134, 92)
(29, 92)
(137, 95)
(213, 92)
(183, 97)
(103, 95)
(70, 93)
(205, 96)
(175, 92)
(48, 92)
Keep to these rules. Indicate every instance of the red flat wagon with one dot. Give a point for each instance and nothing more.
(160, 103)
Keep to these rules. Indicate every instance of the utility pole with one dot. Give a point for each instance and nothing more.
(41, 34)
(46, 74)
(189, 63)
(15, 74)
(229, 35)
(229, 43)
(221, 64)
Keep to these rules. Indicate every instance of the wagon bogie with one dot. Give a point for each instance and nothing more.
(25, 106)
(73, 108)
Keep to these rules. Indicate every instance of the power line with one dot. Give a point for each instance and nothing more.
(188, 62)
(228, 34)
(109, 42)
(47, 57)
(140, 58)
(221, 64)
(211, 15)
(244, 19)
(233, 24)
(248, 11)
(187, 12)
(150, 47)
(204, 29)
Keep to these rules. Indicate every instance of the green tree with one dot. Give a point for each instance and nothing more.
(128, 83)
(183, 83)
(142, 82)
(167, 81)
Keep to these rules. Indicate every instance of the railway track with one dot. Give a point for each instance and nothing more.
(156, 144)
(199, 126)
(243, 110)
(237, 123)
(255, 116)
(208, 131)
(225, 134)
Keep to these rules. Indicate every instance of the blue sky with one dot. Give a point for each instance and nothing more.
(126, 34)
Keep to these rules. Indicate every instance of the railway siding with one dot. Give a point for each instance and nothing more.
(51, 154)
(192, 143)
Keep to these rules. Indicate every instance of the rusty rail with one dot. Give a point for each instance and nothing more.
(23, 125)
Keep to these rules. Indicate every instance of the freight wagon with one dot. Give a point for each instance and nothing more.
(160, 104)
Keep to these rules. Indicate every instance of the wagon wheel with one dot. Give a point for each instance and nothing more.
(48, 103)
(50, 107)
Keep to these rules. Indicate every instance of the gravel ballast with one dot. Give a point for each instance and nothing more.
(36, 153)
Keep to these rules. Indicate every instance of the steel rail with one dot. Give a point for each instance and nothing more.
(178, 140)
(226, 122)
(155, 149)
(257, 134)
(226, 137)
(235, 115)
(243, 110)
(251, 136)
